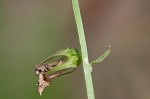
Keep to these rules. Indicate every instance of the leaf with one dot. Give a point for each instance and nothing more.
(102, 57)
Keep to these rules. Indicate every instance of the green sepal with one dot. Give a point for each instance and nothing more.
(72, 56)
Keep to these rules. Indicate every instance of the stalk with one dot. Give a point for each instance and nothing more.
(86, 66)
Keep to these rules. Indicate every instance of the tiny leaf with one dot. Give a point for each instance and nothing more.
(102, 57)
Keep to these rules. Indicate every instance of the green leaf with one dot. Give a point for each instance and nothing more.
(102, 57)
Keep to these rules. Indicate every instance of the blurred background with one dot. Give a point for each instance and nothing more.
(32, 30)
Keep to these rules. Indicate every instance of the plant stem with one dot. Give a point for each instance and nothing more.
(86, 66)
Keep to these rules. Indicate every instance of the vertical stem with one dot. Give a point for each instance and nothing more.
(86, 66)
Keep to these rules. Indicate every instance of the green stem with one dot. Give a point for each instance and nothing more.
(86, 66)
